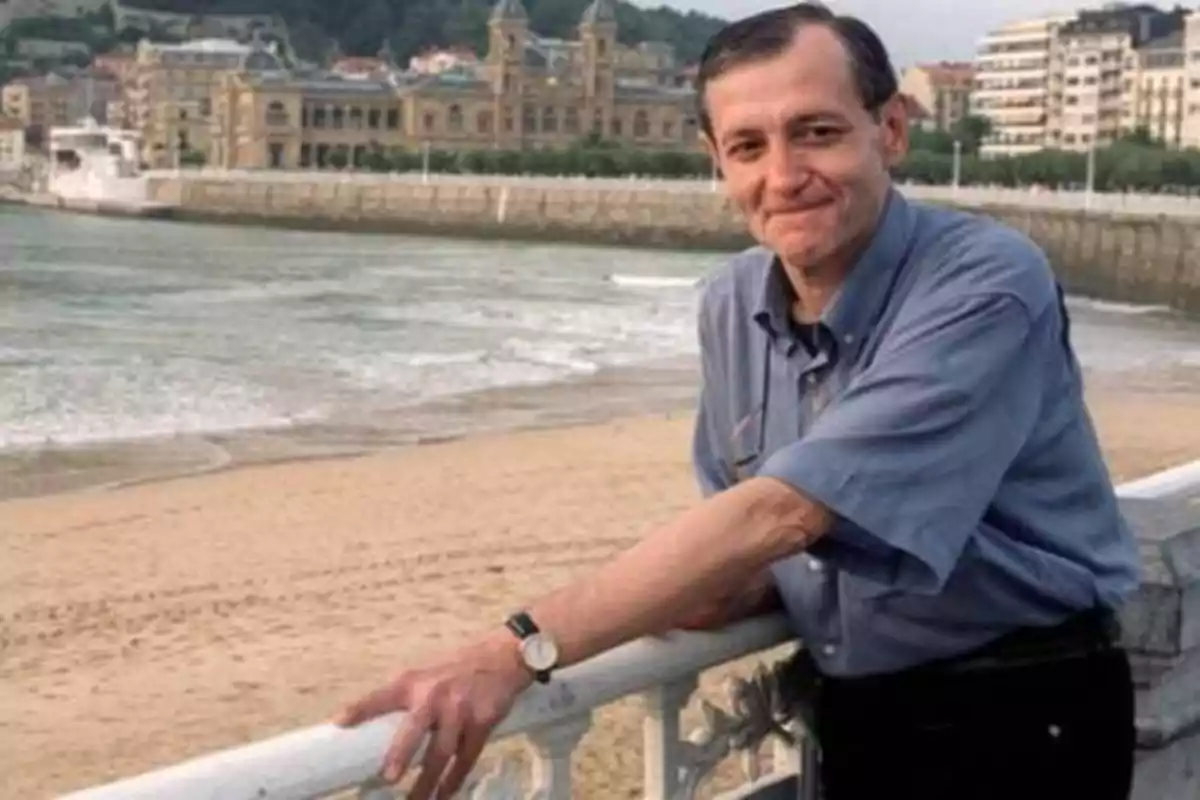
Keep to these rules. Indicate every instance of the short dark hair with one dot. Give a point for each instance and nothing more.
(770, 33)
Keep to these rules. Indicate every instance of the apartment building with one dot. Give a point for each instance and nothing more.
(1012, 73)
(1096, 72)
(1156, 89)
(54, 99)
(1191, 75)
(12, 145)
(941, 91)
(169, 98)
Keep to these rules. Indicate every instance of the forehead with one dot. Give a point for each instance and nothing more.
(812, 76)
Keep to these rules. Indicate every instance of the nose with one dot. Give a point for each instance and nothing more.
(787, 173)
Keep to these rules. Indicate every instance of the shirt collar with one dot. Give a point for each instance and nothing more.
(854, 309)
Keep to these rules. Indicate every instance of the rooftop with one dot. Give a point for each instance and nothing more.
(946, 74)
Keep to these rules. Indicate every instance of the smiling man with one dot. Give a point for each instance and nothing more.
(894, 449)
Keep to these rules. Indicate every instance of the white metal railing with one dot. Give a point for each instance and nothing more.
(319, 761)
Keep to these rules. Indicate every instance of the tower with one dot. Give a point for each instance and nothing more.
(508, 29)
(598, 37)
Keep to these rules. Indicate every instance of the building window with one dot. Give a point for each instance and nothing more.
(617, 128)
(510, 123)
(641, 125)
(598, 124)
(393, 119)
(339, 117)
(360, 156)
(549, 120)
(529, 119)
(483, 122)
(277, 116)
(668, 129)
(306, 155)
(322, 156)
(318, 117)
(454, 119)
(571, 121)
(430, 121)
(275, 155)
(373, 118)
(356, 118)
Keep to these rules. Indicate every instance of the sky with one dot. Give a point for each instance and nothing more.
(914, 30)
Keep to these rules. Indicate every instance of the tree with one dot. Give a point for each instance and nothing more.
(971, 131)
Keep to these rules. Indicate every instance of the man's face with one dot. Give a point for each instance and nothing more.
(803, 159)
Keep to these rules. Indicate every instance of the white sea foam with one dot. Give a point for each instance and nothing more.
(191, 329)
(653, 281)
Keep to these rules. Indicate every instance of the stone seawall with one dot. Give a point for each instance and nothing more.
(1136, 259)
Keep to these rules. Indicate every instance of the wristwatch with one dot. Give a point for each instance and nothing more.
(539, 651)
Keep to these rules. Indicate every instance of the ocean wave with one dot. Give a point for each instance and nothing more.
(81, 403)
(1113, 307)
(652, 281)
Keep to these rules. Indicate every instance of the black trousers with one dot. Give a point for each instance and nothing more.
(1049, 729)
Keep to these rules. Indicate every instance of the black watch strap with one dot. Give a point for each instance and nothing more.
(522, 625)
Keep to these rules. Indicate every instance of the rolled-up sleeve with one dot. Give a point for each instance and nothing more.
(910, 457)
(708, 443)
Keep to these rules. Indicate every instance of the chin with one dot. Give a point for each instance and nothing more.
(802, 249)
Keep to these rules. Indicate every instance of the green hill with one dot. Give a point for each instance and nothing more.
(360, 26)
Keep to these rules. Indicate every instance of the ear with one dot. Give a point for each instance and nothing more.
(710, 147)
(893, 125)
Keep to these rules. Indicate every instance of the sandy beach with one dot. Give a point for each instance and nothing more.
(143, 625)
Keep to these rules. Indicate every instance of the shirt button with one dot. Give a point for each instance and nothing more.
(811, 378)
(848, 338)
(814, 565)
(829, 650)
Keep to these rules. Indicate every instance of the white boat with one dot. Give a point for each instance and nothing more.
(94, 168)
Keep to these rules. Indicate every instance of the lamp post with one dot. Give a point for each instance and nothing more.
(957, 165)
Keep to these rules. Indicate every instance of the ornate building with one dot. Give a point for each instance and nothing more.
(167, 93)
(525, 94)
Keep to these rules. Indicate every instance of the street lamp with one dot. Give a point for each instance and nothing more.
(1090, 184)
(957, 164)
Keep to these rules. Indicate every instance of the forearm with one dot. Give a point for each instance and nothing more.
(712, 550)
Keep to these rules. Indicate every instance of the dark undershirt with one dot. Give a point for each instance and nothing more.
(807, 334)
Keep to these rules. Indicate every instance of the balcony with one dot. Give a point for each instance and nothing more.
(761, 718)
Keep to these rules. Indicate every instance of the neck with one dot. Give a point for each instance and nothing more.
(813, 287)
(814, 284)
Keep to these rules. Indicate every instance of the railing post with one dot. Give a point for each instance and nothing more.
(552, 748)
(662, 738)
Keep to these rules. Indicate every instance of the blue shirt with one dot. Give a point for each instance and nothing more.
(941, 417)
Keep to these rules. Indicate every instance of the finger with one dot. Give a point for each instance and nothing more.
(382, 701)
(404, 745)
(442, 747)
(473, 741)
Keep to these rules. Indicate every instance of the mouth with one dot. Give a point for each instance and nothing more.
(800, 210)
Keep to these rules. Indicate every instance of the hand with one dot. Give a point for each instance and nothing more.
(458, 701)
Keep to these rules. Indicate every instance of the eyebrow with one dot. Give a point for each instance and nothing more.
(815, 118)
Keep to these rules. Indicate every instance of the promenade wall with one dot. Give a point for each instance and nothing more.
(1124, 256)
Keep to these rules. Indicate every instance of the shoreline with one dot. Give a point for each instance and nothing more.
(117, 465)
(656, 391)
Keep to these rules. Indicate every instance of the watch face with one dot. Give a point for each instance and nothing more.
(540, 653)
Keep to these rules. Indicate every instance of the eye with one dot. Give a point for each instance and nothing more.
(744, 150)
(819, 134)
